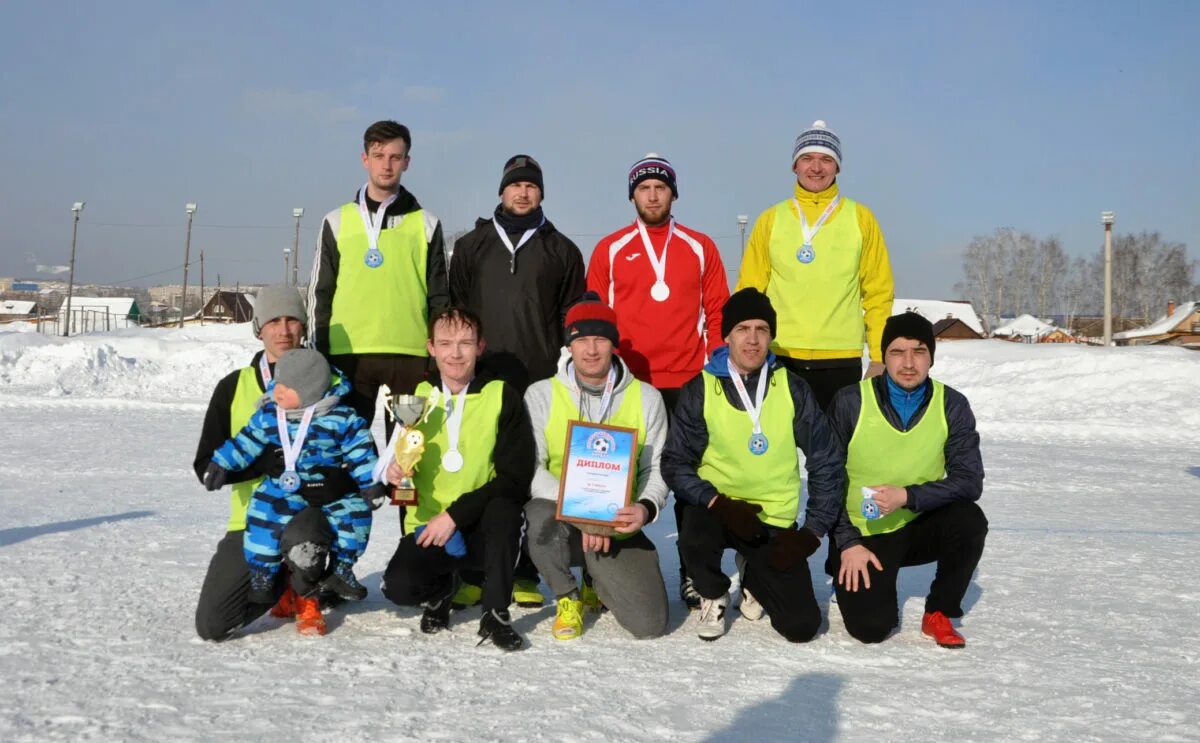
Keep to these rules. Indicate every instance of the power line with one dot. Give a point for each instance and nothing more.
(214, 226)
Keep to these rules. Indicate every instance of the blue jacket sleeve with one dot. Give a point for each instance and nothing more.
(358, 449)
(240, 452)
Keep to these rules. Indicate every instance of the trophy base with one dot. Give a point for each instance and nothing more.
(404, 496)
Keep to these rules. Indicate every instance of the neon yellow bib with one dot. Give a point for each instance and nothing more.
(818, 304)
(771, 479)
(878, 454)
(240, 411)
(437, 487)
(384, 309)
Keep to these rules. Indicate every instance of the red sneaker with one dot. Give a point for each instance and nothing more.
(937, 625)
(286, 608)
(309, 620)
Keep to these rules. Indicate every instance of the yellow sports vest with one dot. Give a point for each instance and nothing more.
(878, 454)
(383, 309)
(437, 488)
(564, 407)
(241, 409)
(818, 304)
(771, 479)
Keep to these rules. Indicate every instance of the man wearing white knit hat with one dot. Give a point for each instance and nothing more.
(822, 261)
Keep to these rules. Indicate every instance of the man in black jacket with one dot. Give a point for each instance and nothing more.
(224, 604)
(522, 274)
(378, 276)
(914, 472)
(731, 458)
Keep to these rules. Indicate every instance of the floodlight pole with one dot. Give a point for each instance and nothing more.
(298, 212)
(742, 219)
(187, 252)
(76, 208)
(1107, 219)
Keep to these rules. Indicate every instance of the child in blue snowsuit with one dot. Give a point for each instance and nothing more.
(335, 435)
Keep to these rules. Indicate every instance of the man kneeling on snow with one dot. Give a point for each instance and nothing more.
(915, 472)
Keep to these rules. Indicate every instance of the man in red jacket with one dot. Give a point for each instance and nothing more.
(666, 283)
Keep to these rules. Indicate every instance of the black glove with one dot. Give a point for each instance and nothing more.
(270, 462)
(376, 495)
(335, 484)
(738, 516)
(790, 547)
(215, 476)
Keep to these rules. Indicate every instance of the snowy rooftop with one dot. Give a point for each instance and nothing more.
(1025, 325)
(1164, 324)
(114, 305)
(939, 309)
(16, 307)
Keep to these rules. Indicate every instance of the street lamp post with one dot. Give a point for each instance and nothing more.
(298, 212)
(286, 253)
(190, 208)
(76, 208)
(742, 220)
(1107, 219)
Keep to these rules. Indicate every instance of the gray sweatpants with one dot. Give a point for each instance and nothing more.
(627, 577)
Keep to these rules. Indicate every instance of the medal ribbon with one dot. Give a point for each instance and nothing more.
(811, 232)
(264, 369)
(659, 264)
(291, 451)
(373, 228)
(508, 243)
(755, 410)
(605, 400)
(455, 405)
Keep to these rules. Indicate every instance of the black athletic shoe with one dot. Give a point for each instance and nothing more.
(688, 592)
(343, 583)
(436, 616)
(497, 627)
(262, 588)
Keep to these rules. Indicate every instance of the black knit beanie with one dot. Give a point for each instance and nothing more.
(522, 168)
(908, 325)
(748, 304)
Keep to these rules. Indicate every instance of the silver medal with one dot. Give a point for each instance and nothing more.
(806, 254)
(289, 481)
(373, 258)
(758, 444)
(452, 461)
(660, 291)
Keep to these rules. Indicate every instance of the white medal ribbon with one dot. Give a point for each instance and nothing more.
(753, 410)
(264, 369)
(452, 460)
(291, 449)
(811, 232)
(605, 399)
(508, 243)
(373, 228)
(660, 291)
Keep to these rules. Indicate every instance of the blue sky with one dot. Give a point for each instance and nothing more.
(955, 119)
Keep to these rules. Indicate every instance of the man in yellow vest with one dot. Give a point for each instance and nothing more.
(471, 484)
(914, 473)
(378, 275)
(224, 605)
(596, 386)
(731, 457)
(821, 259)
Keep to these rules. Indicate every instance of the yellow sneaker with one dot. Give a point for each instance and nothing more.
(591, 600)
(468, 594)
(568, 623)
(526, 593)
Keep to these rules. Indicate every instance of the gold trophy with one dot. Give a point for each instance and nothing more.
(405, 411)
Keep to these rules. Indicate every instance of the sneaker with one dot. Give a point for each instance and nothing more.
(527, 594)
(262, 585)
(497, 627)
(436, 616)
(309, 620)
(342, 582)
(568, 622)
(749, 606)
(468, 594)
(286, 608)
(688, 592)
(591, 599)
(937, 625)
(712, 618)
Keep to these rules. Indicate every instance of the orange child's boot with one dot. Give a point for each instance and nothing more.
(286, 608)
(309, 620)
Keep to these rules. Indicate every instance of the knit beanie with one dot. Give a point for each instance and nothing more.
(748, 304)
(522, 168)
(590, 316)
(306, 371)
(272, 302)
(652, 166)
(908, 325)
(820, 139)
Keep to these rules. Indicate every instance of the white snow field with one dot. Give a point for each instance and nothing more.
(1082, 622)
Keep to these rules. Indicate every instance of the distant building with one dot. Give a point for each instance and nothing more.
(935, 310)
(93, 314)
(226, 306)
(17, 309)
(1024, 329)
(1179, 327)
(25, 286)
(953, 329)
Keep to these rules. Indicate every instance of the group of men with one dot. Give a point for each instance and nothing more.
(720, 389)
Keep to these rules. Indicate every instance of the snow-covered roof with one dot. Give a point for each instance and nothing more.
(939, 309)
(120, 306)
(1162, 325)
(16, 307)
(1025, 325)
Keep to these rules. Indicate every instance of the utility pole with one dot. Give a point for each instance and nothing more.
(298, 212)
(190, 208)
(1107, 218)
(286, 253)
(76, 208)
(742, 220)
(201, 287)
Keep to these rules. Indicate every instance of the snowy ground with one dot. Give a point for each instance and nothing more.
(1079, 627)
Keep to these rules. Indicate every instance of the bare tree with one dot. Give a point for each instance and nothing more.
(1049, 275)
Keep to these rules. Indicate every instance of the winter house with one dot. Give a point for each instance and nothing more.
(936, 310)
(954, 329)
(226, 306)
(1179, 327)
(1024, 329)
(17, 309)
(91, 314)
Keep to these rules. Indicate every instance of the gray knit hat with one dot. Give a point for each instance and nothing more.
(306, 371)
(818, 138)
(279, 300)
